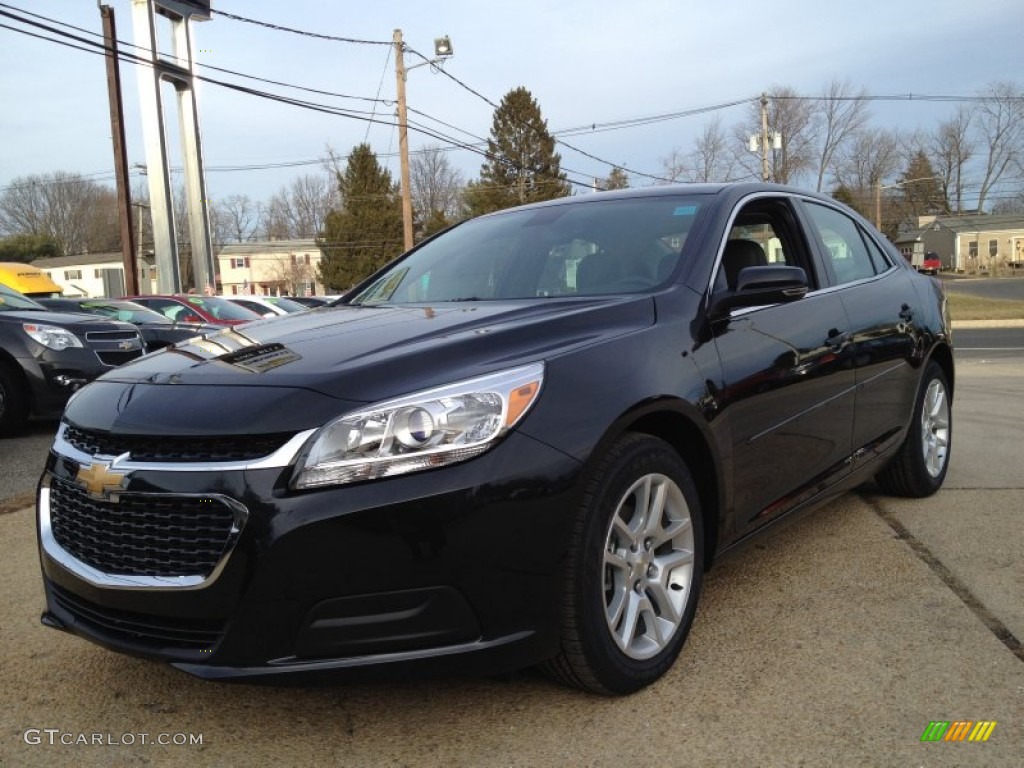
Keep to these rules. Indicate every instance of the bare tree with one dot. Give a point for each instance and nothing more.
(1000, 132)
(290, 273)
(235, 219)
(792, 117)
(77, 213)
(710, 160)
(299, 209)
(436, 188)
(864, 164)
(841, 113)
(950, 148)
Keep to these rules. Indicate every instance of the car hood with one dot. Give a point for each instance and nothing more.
(291, 372)
(72, 321)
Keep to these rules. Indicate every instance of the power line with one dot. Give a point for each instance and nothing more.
(279, 28)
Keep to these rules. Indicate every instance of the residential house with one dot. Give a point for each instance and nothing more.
(271, 267)
(968, 244)
(95, 274)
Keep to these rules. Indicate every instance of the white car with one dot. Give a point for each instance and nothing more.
(268, 306)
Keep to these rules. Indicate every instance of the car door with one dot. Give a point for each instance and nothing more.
(880, 301)
(787, 379)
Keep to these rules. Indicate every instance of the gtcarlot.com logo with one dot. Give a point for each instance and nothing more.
(57, 737)
(958, 730)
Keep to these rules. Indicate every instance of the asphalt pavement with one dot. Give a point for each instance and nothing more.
(835, 640)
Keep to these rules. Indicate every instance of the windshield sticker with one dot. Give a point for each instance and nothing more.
(685, 210)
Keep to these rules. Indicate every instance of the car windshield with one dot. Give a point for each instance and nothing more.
(222, 309)
(10, 300)
(286, 304)
(128, 311)
(587, 249)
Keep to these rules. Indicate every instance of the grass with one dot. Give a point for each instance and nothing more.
(964, 306)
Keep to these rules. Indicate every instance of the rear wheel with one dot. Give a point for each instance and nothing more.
(634, 570)
(919, 469)
(13, 400)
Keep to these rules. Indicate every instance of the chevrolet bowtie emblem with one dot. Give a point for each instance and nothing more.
(98, 480)
(127, 345)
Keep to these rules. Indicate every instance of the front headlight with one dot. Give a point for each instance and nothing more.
(420, 431)
(51, 336)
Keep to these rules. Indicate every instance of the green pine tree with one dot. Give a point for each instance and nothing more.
(617, 179)
(366, 232)
(523, 166)
(921, 188)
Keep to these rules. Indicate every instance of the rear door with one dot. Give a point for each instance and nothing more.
(881, 303)
(788, 379)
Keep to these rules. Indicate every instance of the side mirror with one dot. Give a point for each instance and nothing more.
(757, 286)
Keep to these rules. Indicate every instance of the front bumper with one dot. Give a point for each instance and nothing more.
(452, 570)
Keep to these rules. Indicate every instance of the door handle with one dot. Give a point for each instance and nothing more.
(836, 339)
(906, 313)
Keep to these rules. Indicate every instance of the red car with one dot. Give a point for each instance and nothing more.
(931, 264)
(182, 308)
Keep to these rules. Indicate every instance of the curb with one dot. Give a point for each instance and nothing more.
(987, 324)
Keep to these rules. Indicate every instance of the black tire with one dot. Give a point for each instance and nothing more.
(612, 570)
(919, 469)
(13, 400)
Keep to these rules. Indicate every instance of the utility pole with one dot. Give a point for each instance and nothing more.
(124, 202)
(766, 174)
(403, 139)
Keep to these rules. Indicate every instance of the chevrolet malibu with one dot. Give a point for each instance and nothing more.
(521, 443)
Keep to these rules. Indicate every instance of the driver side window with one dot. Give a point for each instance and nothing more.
(763, 234)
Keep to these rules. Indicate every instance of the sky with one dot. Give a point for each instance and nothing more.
(590, 63)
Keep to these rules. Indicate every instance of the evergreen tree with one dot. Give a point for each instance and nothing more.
(28, 248)
(617, 179)
(366, 232)
(920, 190)
(523, 166)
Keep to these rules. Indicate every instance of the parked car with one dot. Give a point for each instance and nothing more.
(27, 280)
(312, 302)
(45, 356)
(268, 306)
(523, 442)
(931, 263)
(188, 308)
(157, 330)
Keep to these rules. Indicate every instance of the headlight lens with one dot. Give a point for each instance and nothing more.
(51, 336)
(428, 429)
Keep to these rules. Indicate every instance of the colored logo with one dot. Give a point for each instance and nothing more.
(98, 480)
(958, 730)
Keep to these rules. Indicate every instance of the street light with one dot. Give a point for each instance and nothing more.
(442, 50)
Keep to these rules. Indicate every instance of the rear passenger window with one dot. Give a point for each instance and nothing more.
(845, 246)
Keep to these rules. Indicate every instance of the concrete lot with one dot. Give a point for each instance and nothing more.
(834, 641)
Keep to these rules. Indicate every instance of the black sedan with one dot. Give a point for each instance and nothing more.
(521, 443)
(158, 331)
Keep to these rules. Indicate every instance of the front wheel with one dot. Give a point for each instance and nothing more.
(634, 570)
(919, 469)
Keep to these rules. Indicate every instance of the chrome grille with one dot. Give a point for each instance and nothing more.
(150, 535)
(112, 336)
(175, 448)
(118, 358)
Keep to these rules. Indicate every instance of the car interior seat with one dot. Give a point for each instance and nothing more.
(739, 254)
